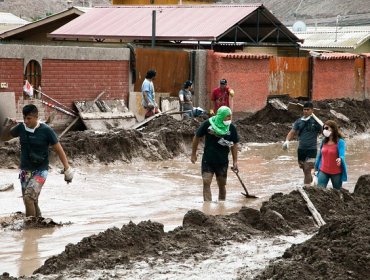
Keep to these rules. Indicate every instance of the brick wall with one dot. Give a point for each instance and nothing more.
(248, 76)
(70, 80)
(11, 72)
(338, 78)
(367, 77)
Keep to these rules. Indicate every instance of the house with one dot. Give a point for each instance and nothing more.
(37, 31)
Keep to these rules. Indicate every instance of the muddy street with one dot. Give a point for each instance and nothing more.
(113, 195)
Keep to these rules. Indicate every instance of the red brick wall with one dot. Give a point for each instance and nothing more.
(248, 77)
(72, 80)
(339, 78)
(11, 72)
(367, 77)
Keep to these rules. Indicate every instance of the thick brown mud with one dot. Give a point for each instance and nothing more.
(339, 250)
(165, 138)
(341, 247)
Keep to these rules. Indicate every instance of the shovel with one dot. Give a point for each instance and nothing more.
(246, 194)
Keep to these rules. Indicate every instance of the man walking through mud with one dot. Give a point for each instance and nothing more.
(35, 139)
(307, 129)
(221, 136)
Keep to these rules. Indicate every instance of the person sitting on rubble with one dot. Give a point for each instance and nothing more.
(148, 95)
(186, 96)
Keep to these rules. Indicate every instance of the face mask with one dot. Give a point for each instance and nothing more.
(326, 133)
(31, 130)
(305, 118)
(227, 122)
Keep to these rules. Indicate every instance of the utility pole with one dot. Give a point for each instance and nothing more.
(154, 14)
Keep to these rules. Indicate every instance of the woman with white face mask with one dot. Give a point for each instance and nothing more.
(330, 162)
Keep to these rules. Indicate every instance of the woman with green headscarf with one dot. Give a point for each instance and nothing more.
(221, 136)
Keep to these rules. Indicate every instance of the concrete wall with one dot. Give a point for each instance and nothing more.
(199, 84)
(249, 77)
(338, 78)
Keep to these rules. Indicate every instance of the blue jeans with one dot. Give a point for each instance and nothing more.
(323, 180)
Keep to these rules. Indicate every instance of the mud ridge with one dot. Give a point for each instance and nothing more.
(347, 217)
(165, 138)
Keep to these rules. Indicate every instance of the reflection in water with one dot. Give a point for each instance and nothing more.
(105, 196)
(30, 257)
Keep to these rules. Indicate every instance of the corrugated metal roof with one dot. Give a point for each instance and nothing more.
(9, 18)
(200, 22)
(349, 37)
(18, 29)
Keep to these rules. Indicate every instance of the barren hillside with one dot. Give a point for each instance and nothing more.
(321, 12)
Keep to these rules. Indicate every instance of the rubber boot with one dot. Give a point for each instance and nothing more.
(221, 182)
(207, 180)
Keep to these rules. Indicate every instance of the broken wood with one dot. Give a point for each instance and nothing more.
(78, 117)
(315, 214)
(140, 124)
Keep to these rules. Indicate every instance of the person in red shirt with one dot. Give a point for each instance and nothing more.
(330, 162)
(220, 97)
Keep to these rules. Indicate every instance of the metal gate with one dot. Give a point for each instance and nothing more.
(290, 75)
(172, 66)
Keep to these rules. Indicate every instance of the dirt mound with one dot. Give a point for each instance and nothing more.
(341, 248)
(201, 234)
(164, 137)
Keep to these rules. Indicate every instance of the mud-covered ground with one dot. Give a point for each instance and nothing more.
(165, 138)
(339, 250)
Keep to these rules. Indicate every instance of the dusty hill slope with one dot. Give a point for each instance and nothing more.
(322, 12)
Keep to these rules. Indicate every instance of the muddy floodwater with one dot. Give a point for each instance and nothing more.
(102, 196)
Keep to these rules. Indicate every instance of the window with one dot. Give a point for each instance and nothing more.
(33, 73)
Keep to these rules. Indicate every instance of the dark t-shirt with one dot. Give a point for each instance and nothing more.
(215, 150)
(39, 142)
(307, 133)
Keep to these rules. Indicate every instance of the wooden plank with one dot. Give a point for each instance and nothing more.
(315, 214)
(77, 118)
(140, 124)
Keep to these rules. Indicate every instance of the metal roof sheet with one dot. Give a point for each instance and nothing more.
(186, 22)
(9, 18)
(348, 37)
(18, 29)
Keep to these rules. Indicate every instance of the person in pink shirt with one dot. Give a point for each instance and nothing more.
(330, 162)
(220, 97)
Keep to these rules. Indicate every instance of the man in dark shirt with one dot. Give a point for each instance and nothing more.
(221, 136)
(307, 128)
(35, 139)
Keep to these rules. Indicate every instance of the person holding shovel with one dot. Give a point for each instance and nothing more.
(148, 95)
(307, 128)
(221, 97)
(221, 136)
(35, 139)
